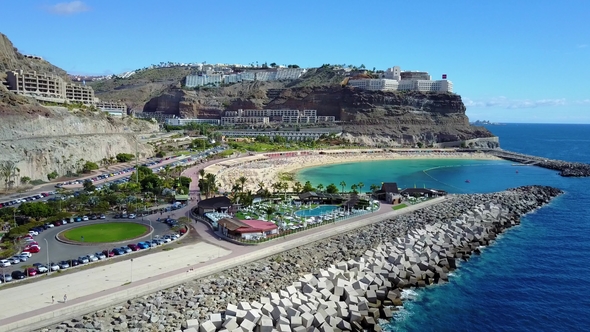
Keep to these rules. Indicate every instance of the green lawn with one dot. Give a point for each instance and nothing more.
(106, 232)
(399, 206)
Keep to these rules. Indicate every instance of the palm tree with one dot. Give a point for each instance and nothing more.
(269, 210)
(320, 187)
(354, 188)
(210, 184)
(276, 186)
(297, 187)
(361, 185)
(374, 187)
(343, 185)
(242, 180)
(8, 171)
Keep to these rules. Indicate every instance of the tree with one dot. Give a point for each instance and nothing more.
(297, 187)
(273, 64)
(354, 187)
(89, 166)
(361, 185)
(242, 180)
(88, 186)
(331, 189)
(8, 171)
(343, 185)
(124, 157)
(307, 187)
(269, 210)
(52, 175)
(25, 180)
(374, 187)
(320, 187)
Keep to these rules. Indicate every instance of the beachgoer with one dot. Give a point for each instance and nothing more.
(52, 299)
(65, 298)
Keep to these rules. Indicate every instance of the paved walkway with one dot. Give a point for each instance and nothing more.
(28, 306)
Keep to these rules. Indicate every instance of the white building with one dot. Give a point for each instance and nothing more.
(393, 79)
(375, 84)
(183, 122)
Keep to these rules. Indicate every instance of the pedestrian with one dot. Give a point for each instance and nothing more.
(52, 299)
(65, 298)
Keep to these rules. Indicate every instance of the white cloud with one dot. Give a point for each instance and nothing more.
(68, 8)
(503, 102)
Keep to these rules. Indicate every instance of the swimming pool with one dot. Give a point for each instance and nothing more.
(318, 211)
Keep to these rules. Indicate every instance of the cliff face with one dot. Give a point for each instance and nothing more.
(368, 117)
(54, 141)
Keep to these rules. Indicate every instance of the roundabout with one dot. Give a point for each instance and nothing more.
(109, 232)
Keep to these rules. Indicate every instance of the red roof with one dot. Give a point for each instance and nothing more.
(256, 226)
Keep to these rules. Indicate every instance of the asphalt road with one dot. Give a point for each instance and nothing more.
(59, 251)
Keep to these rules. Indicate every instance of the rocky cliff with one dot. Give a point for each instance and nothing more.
(57, 139)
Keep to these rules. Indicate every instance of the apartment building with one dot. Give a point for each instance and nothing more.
(288, 135)
(183, 122)
(80, 94)
(393, 79)
(230, 120)
(44, 87)
(375, 84)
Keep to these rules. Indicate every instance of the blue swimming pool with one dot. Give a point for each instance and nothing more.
(318, 211)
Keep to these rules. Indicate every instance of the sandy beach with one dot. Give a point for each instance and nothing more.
(266, 170)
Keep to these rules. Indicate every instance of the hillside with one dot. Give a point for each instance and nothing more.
(41, 140)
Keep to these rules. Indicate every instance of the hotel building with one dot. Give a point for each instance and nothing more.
(393, 79)
(47, 87)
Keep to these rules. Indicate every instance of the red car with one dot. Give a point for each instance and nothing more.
(31, 272)
(32, 249)
(57, 223)
(133, 247)
(108, 253)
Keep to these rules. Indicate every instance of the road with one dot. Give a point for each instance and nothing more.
(59, 251)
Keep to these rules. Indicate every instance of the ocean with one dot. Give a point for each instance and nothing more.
(536, 276)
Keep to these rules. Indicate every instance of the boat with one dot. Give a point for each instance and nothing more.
(467, 181)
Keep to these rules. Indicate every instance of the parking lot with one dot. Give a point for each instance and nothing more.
(55, 251)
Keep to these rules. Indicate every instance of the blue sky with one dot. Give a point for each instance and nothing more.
(511, 61)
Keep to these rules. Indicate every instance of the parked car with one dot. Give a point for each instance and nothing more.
(100, 255)
(18, 275)
(63, 264)
(14, 260)
(85, 218)
(102, 216)
(33, 249)
(143, 245)
(74, 262)
(30, 272)
(83, 259)
(23, 258)
(92, 258)
(78, 219)
(133, 247)
(6, 278)
(54, 267)
(118, 251)
(4, 263)
(24, 253)
(41, 268)
(108, 253)
(126, 249)
(132, 216)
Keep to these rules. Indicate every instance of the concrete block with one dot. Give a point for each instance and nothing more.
(326, 328)
(318, 319)
(278, 312)
(354, 316)
(191, 329)
(307, 319)
(296, 321)
(291, 290)
(240, 314)
(216, 320)
(344, 326)
(207, 326)
(292, 312)
(298, 329)
(283, 328)
(230, 323)
(247, 325)
(244, 306)
(285, 303)
(192, 323)
(253, 315)
(265, 325)
(274, 296)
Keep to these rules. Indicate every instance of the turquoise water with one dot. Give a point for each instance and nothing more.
(316, 212)
(535, 277)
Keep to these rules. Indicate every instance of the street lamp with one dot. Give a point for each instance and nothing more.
(47, 249)
(131, 280)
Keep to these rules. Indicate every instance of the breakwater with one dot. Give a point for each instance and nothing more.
(565, 168)
(345, 282)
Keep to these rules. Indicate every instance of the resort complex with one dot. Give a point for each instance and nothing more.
(393, 79)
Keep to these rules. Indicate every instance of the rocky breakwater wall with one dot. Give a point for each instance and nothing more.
(354, 294)
(345, 282)
(565, 168)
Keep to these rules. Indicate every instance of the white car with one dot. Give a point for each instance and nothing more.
(4, 263)
(54, 267)
(102, 216)
(132, 216)
(85, 218)
(41, 268)
(34, 233)
(26, 253)
(92, 258)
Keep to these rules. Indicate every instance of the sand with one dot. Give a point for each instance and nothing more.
(267, 171)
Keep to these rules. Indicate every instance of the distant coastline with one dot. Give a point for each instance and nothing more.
(486, 122)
